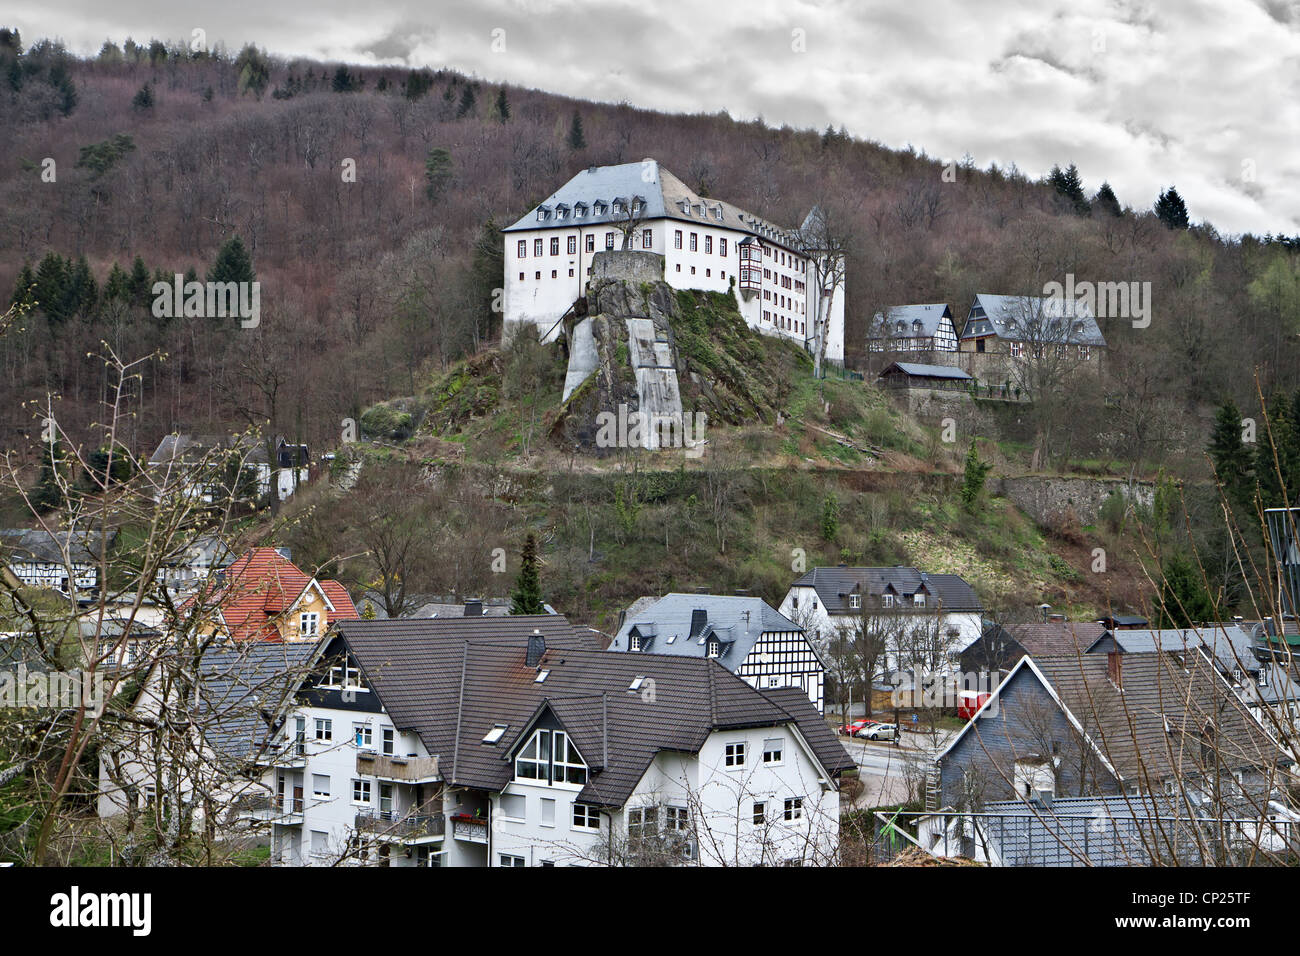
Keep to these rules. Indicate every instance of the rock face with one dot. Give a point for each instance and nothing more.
(623, 361)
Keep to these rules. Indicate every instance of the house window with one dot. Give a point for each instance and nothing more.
(550, 756)
(773, 751)
(585, 817)
(555, 245)
(734, 755)
(388, 741)
(508, 860)
(887, 600)
(760, 813)
(548, 812)
(572, 245)
(642, 822)
(533, 762)
(722, 247)
(708, 245)
(537, 247)
(591, 243)
(320, 785)
(569, 766)
(537, 275)
(695, 242)
(360, 791)
(609, 240)
(677, 238)
(676, 819)
(647, 239)
(855, 600)
(362, 734)
(308, 623)
(523, 249)
(794, 808)
(714, 648)
(1085, 353)
(324, 728)
(634, 642)
(1017, 348)
(553, 273)
(918, 600)
(521, 277)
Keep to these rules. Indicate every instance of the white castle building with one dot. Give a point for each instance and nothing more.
(706, 244)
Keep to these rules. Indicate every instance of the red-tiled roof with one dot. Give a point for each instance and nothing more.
(261, 585)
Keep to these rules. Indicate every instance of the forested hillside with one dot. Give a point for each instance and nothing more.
(148, 158)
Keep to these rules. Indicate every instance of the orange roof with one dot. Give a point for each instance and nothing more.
(261, 585)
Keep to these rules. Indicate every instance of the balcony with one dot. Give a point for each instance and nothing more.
(470, 829)
(284, 754)
(408, 827)
(265, 808)
(398, 769)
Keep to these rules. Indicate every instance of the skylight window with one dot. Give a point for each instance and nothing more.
(541, 676)
(495, 734)
(636, 683)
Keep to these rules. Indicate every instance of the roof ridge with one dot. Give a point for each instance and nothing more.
(460, 709)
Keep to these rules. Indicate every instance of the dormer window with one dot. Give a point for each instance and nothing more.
(634, 642)
(542, 213)
(714, 648)
(855, 601)
(918, 599)
(550, 757)
(887, 600)
(579, 210)
(600, 208)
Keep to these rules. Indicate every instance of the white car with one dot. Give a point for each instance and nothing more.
(878, 731)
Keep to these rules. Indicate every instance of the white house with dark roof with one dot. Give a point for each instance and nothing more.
(746, 635)
(64, 561)
(913, 328)
(705, 244)
(516, 742)
(944, 606)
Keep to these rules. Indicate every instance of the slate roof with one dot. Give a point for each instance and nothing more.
(664, 196)
(1008, 316)
(665, 626)
(833, 586)
(244, 692)
(261, 585)
(929, 315)
(452, 680)
(1155, 727)
(918, 370)
(178, 448)
(45, 547)
(1092, 831)
(1055, 638)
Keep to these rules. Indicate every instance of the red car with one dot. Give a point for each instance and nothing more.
(851, 730)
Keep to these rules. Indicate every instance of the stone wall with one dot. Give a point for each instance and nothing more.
(1051, 501)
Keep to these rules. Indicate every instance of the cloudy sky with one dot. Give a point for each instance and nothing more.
(1204, 94)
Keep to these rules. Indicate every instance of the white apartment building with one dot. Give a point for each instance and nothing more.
(515, 741)
(707, 244)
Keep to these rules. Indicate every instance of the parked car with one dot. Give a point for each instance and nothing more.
(852, 729)
(878, 731)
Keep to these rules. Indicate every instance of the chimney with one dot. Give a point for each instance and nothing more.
(536, 648)
(701, 590)
(1115, 668)
(473, 608)
(1056, 618)
(1044, 798)
(699, 618)
(742, 592)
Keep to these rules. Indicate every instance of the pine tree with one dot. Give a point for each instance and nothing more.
(1106, 201)
(1183, 598)
(972, 484)
(51, 291)
(1067, 184)
(830, 518)
(24, 288)
(467, 99)
(1171, 210)
(233, 263)
(140, 283)
(118, 284)
(48, 493)
(437, 173)
(1233, 462)
(486, 276)
(503, 106)
(143, 100)
(576, 138)
(527, 597)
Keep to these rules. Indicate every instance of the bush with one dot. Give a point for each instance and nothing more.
(385, 421)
